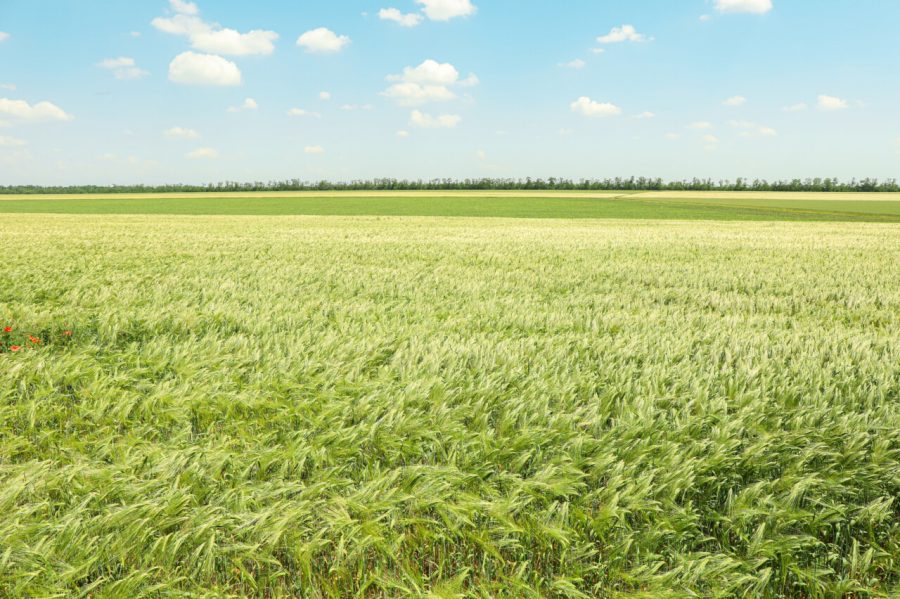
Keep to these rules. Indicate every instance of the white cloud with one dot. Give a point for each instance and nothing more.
(180, 24)
(201, 153)
(402, 134)
(598, 50)
(247, 104)
(414, 94)
(750, 129)
(181, 133)
(757, 7)
(9, 86)
(443, 121)
(322, 41)
(672, 136)
(573, 64)
(12, 142)
(799, 107)
(23, 111)
(212, 37)
(481, 155)
(470, 81)
(324, 95)
(700, 125)
(302, 112)
(123, 68)
(135, 34)
(832, 103)
(404, 20)
(314, 150)
(430, 81)
(4, 36)
(625, 33)
(229, 41)
(203, 69)
(588, 107)
(645, 115)
(430, 71)
(705, 18)
(735, 101)
(185, 8)
(711, 139)
(444, 10)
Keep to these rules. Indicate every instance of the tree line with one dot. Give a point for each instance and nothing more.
(551, 183)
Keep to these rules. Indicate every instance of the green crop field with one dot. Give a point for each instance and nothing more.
(382, 406)
(878, 207)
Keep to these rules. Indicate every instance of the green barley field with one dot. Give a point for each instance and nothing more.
(450, 395)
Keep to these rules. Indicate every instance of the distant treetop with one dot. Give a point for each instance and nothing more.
(551, 183)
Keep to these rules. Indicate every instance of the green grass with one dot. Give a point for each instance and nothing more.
(340, 407)
(629, 206)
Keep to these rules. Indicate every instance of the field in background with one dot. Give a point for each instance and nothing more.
(355, 406)
(772, 206)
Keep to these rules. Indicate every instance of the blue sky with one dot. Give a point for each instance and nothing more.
(106, 91)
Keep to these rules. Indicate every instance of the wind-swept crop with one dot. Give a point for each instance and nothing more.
(371, 407)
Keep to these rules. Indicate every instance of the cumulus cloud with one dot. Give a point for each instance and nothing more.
(645, 115)
(314, 150)
(430, 71)
(4, 36)
(191, 68)
(700, 125)
(710, 139)
(444, 10)
(832, 103)
(402, 134)
(201, 153)
(12, 142)
(414, 94)
(672, 136)
(403, 19)
(430, 81)
(180, 133)
(625, 33)
(324, 95)
(212, 37)
(750, 129)
(443, 121)
(247, 104)
(757, 7)
(9, 86)
(587, 107)
(123, 68)
(573, 64)
(185, 8)
(302, 112)
(322, 41)
(23, 111)
(798, 107)
(735, 101)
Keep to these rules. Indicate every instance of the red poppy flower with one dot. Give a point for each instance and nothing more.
(7, 330)
(34, 339)
(15, 347)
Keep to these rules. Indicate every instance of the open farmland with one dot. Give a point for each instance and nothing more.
(859, 207)
(334, 406)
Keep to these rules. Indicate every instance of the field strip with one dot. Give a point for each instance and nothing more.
(319, 194)
(775, 209)
(770, 195)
